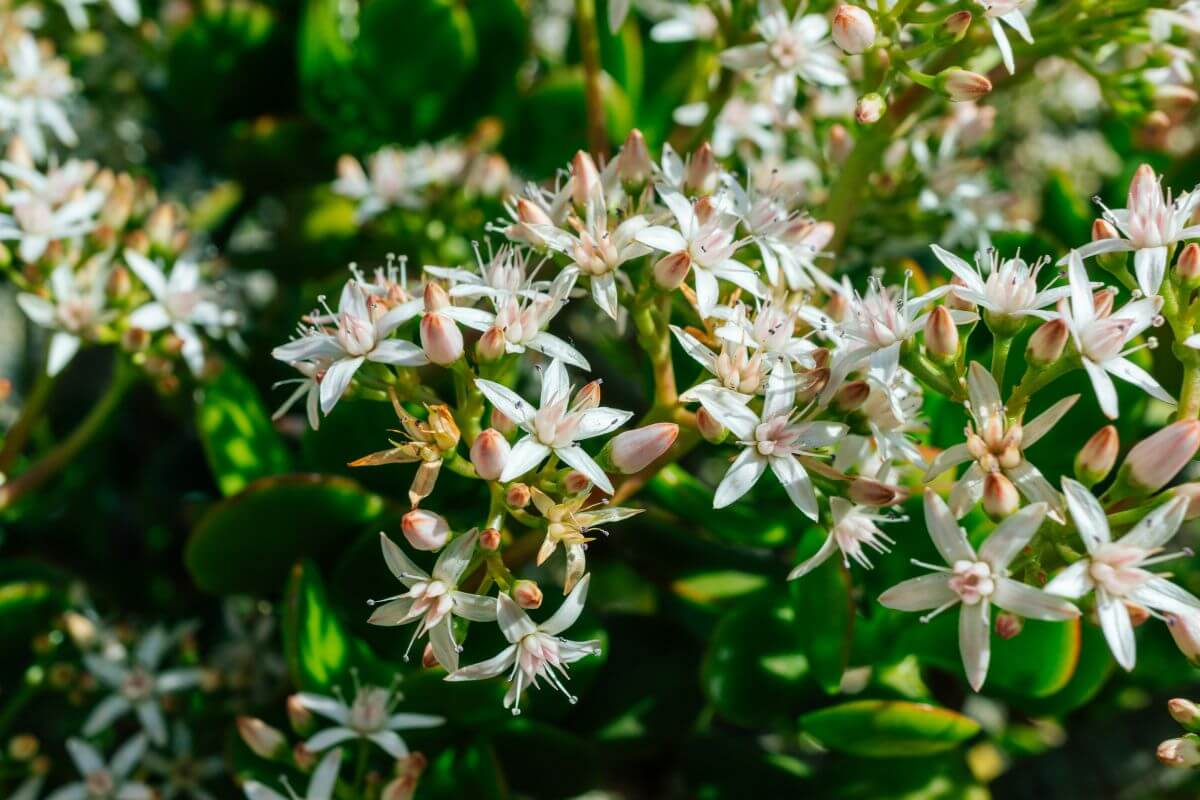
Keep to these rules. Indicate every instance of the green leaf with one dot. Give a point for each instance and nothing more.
(248, 542)
(524, 748)
(689, 497)
(469, 770)
(1094, 667)
(889, 728)
(828, 635)
(756, 672)
(320, 654)
(239, 441)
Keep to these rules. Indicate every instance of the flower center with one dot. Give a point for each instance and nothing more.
(138, 685)
(972, 581)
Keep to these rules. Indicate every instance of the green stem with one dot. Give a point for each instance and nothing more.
(589, 46)
(928, 373)
(15, 439)
(1189, 394)
(468, 412)
(1000, 348)
(360, 768)
(50, 464)
(1036, 379)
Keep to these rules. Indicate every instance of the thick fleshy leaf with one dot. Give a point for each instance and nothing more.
(889, 728)
(239, 441)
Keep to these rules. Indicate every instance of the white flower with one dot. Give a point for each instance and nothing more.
(523, 320)
(1008, 11)
(772, 332)
(1100, 340)
(1006, 288)
(393, 179)
(126, 10)
(504, 274)
(1151, 224)
(308, 387)
(739, 120)
(597, 251)
(853, 530)
(75, 308)
(568, 523)
(534, 651)
(320, 787)
(433, 599)
(790, 49)
(892, 412)
(181, 301)
(1116, 572)
(555, 427)
(772, 440)
(32, 93)
(709, 245)
(183, 773)
(47, 209)
(679, 21)
(138, 686)
(733, 369)
(976, 581)
(105, 780)
(995, 445)
(360, 335)
(368, 717)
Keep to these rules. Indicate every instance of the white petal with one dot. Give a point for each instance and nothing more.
(398, 352)
(1100, 246)
(743, 473)
(105, 713)
(796, 483)
(1106, 393)
(1031, 483)
(1117, 627)
(150, 317)
(1030, 602)
(566, 614)
(984, 393)
(506, 401)
(662, 238)
(454, 559)
(1150, 265)
(1087, 513)
(398, 561)
(1156, 528)
(474, 607)
(38, 309)
(336, 379)
(325, 706)
(441, 640)
(550, 345)
(707, 291)
(514, 623)
(496, 665)
(1003, 544)
(1126, 370)
(947, 459)
(1006, 53)
(86, 757)
(577, 458)
(599, 421)
(324, 777)
(974, 641)
(959, 267)
(391, 743)
(525, 455)
(148, 272)
(63, 347)
(919, 594)
(729, 409)
(1074, 582)
(828, 548)
(947, 536)
(1162, 595)
(781, 390)
(1083, 307)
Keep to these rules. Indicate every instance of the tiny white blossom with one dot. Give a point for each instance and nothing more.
(33, 90)
(1006, 288)
(1008, 12)
(73, 311)
(105, 779)
(854, 530)
(370, 716)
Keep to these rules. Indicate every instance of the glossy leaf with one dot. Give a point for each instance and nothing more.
(239, 441)
(829, 635)
(889, 728)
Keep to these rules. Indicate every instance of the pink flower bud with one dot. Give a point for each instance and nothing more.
(575, 482)
(954, 300)
(1188, 266)
(1047, 343)
(489, 539)
(633, 451)
(436, 298)
(265, 741)
(851, 396)
(492, 345)
(1097, 457)
(587, 398)
(299, 716)
(1103, 229)
(1181, 752)
(700, 175)
(1192, 492)
(869, 109)
(527, 594)
(489, 454)
(853, 29)
(954, 27)
(1103, 300)
(501, 422)
(441, 339)
(531, 213)
(1155, 460)
(1183, 711)
(961, 85)
(1000, 497)
(941, 335)
(709, 428)
(585, 179)
(1008, 625)
(870, 492)
(305, 759)
(425, 530)
(428, 657)
(840, 143)
(517, 496)
(633, 162)
(672, 270)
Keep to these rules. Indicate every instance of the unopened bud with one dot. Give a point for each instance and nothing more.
(491, 346)
(954, 300)
(1047, 343)
(633, 451)
(160, 225)
(489, 454)
(134, 339)
(810, 383)
(1185, 712)
(869, 109)
(489, 539)
(955, 26)
(305, 759)
(1185, 630)
(119, 282)
(527, 594)
(1008, 625)
(962, 85)
(1103, 301)
(1137, 613)
(531, 213)
(300, 717)
(1000, 497)
(671, 270)
(585, 179)
(853, 29)
(1187, 268)
(941, 335)
(870, 492)
(502, 423)
(575, 482)
(700, 175)
(23, 747)
(851, 396)
(1191, 491)
(633, 162)
(1103, 229)
(1155, 460)
(428, 657)
(712, 430)
(1097, 457)
(587, 398)
(425, 530)
(265, 741)
(441, 339)
(840, 143)
(517, 496)
(1181, 752)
